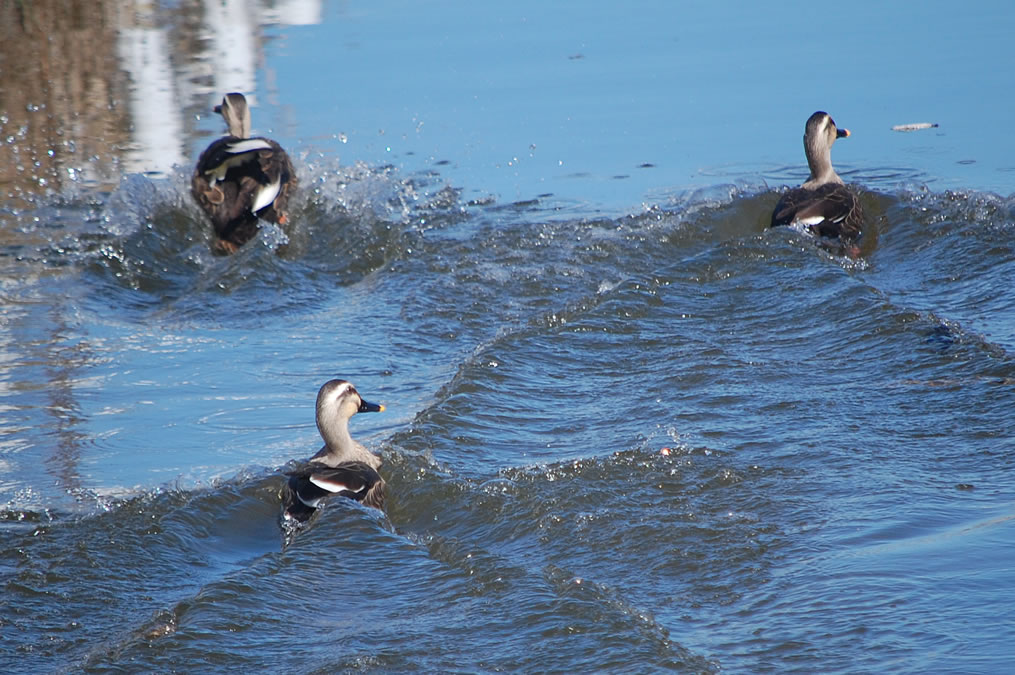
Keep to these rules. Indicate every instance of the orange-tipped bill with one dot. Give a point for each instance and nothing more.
(366, 406)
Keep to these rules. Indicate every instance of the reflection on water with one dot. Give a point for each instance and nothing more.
(143, 48)
(106, 88)
(60, 116)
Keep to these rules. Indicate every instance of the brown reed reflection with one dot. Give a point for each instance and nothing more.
(90, 91)
(60, 88)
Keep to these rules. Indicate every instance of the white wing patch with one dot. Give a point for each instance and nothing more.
(248, 145)
(266, 195)
(312, 503)
(813, 220)
(332, 486)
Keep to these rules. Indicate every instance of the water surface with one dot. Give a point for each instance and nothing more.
(627, 426)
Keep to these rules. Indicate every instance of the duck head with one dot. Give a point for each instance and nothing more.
(819, 135)
(337, 402)
(236, 113)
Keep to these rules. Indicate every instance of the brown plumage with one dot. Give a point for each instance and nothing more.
(342, 467)
(239, 179)
(823, 204)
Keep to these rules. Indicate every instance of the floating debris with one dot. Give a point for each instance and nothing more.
(914, 127)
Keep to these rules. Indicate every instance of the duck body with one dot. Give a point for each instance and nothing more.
(239, 179)
(343, 467)
(831, 210)
(309, 486)
(823, 204)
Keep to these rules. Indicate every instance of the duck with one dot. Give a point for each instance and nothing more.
(239, 179)
(343, 467)
(823, 204)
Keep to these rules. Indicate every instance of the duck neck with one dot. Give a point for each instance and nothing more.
(238, 120)
(240, 128)
(338, 443)
(820, 162)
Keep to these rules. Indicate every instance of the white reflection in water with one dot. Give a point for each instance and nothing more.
(293, 13)
(163, 87)
(157, 130)
(232, 38)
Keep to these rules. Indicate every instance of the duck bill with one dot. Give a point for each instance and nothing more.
(841, 133)
(366, 406)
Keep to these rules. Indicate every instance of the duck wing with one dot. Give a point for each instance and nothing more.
(228, 153)
(279, 180)
(307, 487)
(830, 210)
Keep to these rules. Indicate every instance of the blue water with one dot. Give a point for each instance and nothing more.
(568, 97)
(628, 426)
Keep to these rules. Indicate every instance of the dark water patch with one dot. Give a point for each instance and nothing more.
(227, 604)
(963, 281)
(599, 524)
(868, 585)
(141, 554)
(635, 320)
(222, 622)
(556, 269)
